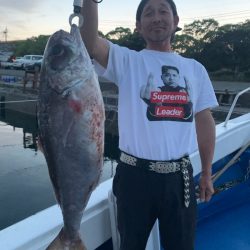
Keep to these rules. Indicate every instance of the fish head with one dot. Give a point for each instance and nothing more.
(66, 60)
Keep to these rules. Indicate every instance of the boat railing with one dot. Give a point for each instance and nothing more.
(236, 157)
(233, 105)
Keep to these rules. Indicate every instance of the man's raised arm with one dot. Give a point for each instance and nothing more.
(98, 48)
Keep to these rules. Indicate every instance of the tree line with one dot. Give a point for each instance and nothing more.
(223, 50)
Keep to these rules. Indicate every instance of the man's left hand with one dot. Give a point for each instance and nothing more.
(206, 187)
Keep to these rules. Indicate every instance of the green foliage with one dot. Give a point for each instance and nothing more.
(224, 50)
(187, 45)
(201, 29)
(229, 48)
(100, 34)
(132, 41)
(118, 34)
(221, 49)
(34, 45)
(124, 37)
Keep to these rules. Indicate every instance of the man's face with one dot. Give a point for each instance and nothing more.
(171, 78)
(157, 22)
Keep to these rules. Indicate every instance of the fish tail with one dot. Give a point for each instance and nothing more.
(61, 243)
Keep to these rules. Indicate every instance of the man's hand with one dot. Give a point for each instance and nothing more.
(206, 187)
(148, 88)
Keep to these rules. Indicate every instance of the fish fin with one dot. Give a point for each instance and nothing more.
(61, 243)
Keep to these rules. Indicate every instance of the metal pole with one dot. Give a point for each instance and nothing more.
(234, 103)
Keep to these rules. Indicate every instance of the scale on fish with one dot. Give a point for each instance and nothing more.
(71, 129)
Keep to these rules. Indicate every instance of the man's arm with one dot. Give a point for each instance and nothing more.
(205, 129)
(98, 48)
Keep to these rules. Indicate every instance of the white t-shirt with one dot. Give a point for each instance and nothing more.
(161, 127)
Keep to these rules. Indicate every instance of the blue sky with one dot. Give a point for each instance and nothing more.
(27, 18)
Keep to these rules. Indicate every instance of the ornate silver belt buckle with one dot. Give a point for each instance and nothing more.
(162, 167)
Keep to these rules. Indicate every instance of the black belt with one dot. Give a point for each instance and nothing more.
(162, 167)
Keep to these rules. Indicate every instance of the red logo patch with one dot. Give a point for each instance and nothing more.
(165, 111)
(169, 97)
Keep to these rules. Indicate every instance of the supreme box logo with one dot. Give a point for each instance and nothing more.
(169, 97)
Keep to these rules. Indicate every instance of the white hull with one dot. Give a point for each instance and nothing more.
(228, 139)
(37, 231)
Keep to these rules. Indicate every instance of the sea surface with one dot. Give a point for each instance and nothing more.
(25, 187)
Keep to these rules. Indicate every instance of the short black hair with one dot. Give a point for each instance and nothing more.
(165, 68)
(144, 2)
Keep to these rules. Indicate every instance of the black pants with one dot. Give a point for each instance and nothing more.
(144, 196)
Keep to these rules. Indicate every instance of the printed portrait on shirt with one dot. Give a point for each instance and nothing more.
(171, 101)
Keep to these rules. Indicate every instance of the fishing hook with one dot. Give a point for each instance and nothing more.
(77, 11)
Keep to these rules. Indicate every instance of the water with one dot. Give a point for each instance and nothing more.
(25, 187)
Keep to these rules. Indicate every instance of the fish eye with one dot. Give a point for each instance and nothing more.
(58, 50)
(59, 57)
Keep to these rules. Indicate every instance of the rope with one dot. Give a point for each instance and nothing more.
(19, 101)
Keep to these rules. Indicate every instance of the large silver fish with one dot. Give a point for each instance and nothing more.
(71, 129)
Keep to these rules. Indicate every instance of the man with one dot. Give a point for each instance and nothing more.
(154, 176)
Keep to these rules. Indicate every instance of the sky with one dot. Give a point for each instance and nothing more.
(28, 18)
